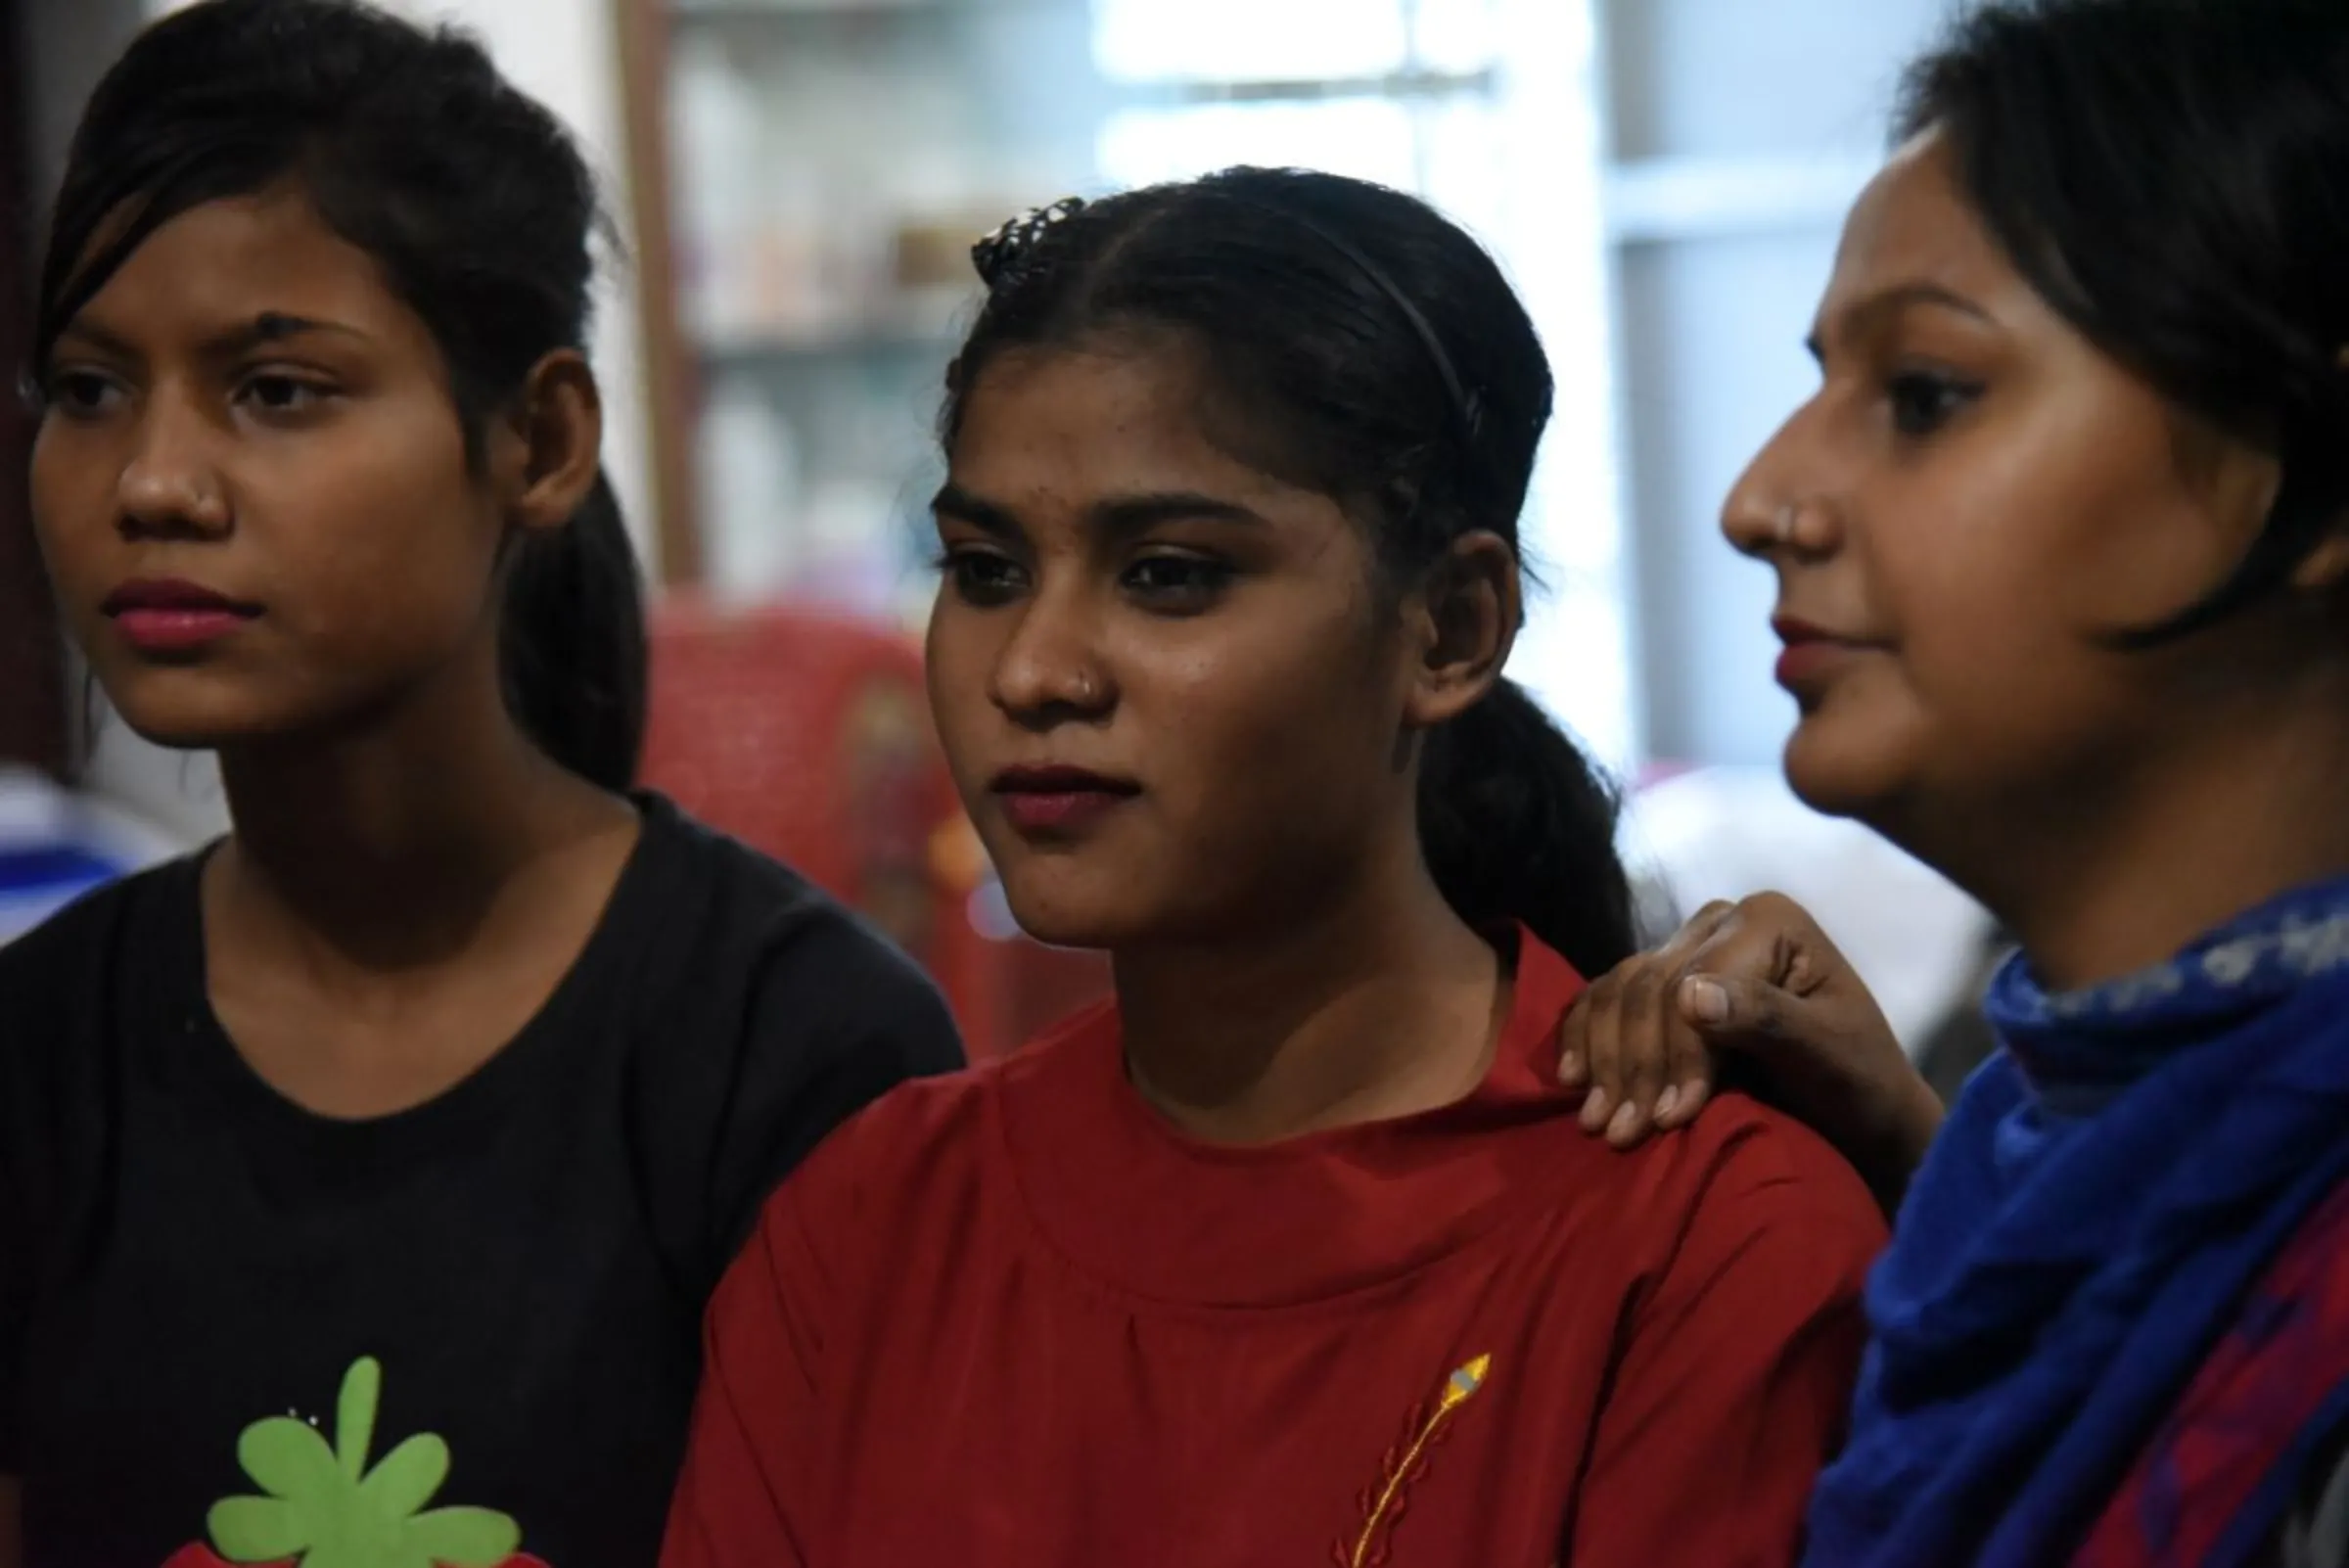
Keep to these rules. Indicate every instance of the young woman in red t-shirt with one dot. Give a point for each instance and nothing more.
(1294, 1253)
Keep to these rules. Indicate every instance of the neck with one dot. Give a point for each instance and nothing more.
(383, 845)
(2152, 858)
(1382, 1004)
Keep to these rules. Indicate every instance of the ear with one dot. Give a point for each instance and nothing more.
(2325, 569)
(1464, 618)
(553, 438)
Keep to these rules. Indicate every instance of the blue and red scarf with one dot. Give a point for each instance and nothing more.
(2086, 1234)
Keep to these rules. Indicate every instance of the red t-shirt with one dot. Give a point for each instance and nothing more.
(1013, 1320)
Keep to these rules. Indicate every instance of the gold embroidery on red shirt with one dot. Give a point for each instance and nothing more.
(1427, 1428)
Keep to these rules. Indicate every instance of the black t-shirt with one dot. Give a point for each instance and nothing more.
(516, 1268)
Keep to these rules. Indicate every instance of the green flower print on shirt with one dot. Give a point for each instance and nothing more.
(324, 1508)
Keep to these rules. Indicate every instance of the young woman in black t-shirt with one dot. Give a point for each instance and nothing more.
(362, 1180)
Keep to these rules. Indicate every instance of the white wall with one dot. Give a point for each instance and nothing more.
(1740, 132)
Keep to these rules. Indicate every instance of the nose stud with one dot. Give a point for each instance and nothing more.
(186, 495)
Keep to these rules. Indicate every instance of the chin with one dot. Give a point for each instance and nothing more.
(1061, 923)
(1061, 909)
(182, 727)
(193, 709)
(1834, 774)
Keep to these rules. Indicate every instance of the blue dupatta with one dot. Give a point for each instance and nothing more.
(2104, 1192)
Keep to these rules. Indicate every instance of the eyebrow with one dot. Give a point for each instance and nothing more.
(1888, 302)
(267, 327)
(1118, 515)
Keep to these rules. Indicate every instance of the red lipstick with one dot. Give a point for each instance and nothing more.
(164, 614)
(1055, 802)
(1811, 655)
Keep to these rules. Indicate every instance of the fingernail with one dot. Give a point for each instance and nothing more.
(1707, 1000)
(1569, 1067)
(1625, 1119)
(1594, 1110)
(1666, 1102)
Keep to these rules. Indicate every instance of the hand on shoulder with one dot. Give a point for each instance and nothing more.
(1756, 990)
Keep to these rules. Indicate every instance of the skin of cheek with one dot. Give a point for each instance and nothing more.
(2000, 552)
(1257, 723)
(360, 531)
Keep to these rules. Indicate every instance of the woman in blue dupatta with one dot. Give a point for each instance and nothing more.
(2062, 551)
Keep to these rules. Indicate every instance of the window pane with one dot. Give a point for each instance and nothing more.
(1461, 35)
(1368, 138)
(1247, 40)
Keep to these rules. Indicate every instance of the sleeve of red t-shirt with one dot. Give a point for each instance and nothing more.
(741, 1501)
(1734, 1386)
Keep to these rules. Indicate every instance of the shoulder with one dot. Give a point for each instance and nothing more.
(1738, 1153)
(924, 1132)
(1740, 1176)
(1746, 1181)
(87, 951)
(757, 1014)
(929, 1140)
(69, 991)
(1743, 1145)
(731, 922)
(735, 890)
(91, 925)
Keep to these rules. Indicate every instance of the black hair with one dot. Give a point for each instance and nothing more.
(481, 213)
(1379, 357)
(2172, 176)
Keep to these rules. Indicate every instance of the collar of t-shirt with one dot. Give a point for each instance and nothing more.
(1152, 1214)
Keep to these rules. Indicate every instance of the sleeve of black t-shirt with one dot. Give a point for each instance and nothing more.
(14, 1267)
(24, 1022)
(860, 1019)
(31, 969)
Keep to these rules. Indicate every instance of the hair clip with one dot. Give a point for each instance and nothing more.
(998, 255)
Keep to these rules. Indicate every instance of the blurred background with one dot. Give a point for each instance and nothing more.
(799, 183)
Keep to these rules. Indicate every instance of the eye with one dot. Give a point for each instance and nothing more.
(80, 394)
(1923, 401)
(1177, 584)
(980, 577)
(277, 392)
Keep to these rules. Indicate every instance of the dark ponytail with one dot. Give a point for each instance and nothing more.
(1516, 823)
(572, 648)
(1372, 351)
(479, 208)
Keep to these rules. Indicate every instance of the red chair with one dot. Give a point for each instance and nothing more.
(806, 735)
